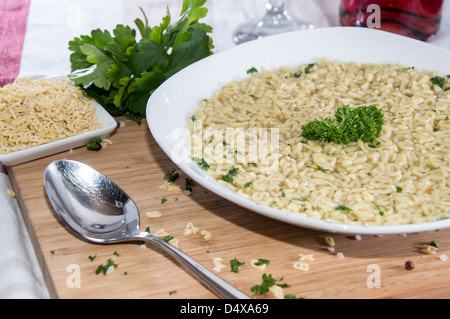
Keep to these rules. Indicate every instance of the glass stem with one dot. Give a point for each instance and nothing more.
(276, 11)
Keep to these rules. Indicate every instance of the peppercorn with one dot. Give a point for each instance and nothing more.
(409, 265)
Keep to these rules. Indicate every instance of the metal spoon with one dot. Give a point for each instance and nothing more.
(100, 211)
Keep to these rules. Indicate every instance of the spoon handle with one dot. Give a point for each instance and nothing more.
(217, 285)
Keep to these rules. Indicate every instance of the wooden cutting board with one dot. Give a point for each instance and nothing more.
(366, 267)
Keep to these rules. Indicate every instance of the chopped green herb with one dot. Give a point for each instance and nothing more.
(289, 296)
(398, 189)
(172, 292)
(147, 229)
(267, 282)
(248, 184)
(234, 265)
(94, 144)
(193, 118)
(205, 166)
(282, 193)
(319, 168)
(297, 74)
(262, 262)
(163, 200)
(343, 208)
(230, 176)
(171, 176)
(168, 238)
(309, 67)
(189, 182)
(435, 243)
(103, 268)
(91, 258)
(253, 164)
(52, 252)
(438, 80)
(252, 70)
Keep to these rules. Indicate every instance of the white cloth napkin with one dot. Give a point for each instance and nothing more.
(53, 23)
(20, 275)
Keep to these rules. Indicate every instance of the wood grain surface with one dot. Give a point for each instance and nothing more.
(369, 267)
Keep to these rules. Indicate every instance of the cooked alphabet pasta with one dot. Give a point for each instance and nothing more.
(36, 112)
(249, 136)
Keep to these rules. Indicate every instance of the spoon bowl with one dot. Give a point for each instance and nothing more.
(100, 211)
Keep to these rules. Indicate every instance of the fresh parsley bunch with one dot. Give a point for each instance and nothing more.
(120, 71)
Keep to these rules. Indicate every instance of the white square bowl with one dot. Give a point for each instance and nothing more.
(26, 155)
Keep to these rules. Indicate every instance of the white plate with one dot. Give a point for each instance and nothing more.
(19, 157)
(179, 97)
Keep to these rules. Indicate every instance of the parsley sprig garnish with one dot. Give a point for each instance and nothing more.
(120, 70)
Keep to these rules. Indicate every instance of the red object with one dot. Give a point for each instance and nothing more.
(409, 265)
(13, 26)
(417, 19)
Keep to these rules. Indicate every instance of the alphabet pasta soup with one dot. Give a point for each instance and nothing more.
(248, 136)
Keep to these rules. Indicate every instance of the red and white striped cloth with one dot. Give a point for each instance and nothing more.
(13, 27)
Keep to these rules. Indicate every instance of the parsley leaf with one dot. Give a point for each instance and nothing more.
(262, 261)
(171, 176)
(104, 268)
(435, 243)
(309, 67)
(94, 144)
(319, 168)
(438, 80)
(202, 163)
(230, 176)
(343, 208)
(248, 184)
(189, 183)
(234, 264)
(267, 282)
